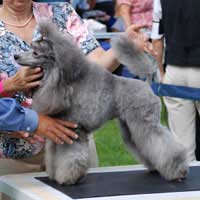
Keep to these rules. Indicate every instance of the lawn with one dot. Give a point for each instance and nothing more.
(110, 147)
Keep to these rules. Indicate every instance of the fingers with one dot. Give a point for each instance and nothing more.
(23, 135)
(137, 27)
(52, 135)
(30, 71)
(63, 134)
(19, 134)
(33, 84)
(31, 76)
(25, 78)
(34, 76)
(148, 47)
(67, 124)
(56, 130)
(39, 138)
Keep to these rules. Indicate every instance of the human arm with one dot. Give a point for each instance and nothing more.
(124, 11)
(158, 46)
(14, 117)
(157, 36)
(104, 58)
(109, 60)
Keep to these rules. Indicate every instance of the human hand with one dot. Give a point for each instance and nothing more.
(56, 130)
(140, 38)
(91, 3)
(26, 136)
(24, 79)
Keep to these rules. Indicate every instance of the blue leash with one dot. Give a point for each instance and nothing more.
(183, 92)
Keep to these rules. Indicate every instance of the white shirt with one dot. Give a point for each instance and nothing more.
(157, 16)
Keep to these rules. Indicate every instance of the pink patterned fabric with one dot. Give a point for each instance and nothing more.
(68, 21)
(141, 11)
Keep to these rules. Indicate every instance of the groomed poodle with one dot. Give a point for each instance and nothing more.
(77, 90)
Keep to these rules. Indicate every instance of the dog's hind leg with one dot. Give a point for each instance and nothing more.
(156, 143)
(131, 146)
(50, 150)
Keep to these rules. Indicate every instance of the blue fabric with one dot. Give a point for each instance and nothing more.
(183, 92)
(111, 21)
(14, 117)
(105, 45)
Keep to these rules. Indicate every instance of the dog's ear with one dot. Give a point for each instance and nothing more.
(49, 47)
(43, 47)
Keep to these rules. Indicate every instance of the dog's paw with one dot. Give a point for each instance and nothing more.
(176, 168)
(71, 177)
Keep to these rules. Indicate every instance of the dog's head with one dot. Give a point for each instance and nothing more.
(44, 48)
(55, 51)
(41, 53)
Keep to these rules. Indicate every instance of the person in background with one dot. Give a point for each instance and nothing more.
(99, 10)
(108, 6)
(136, 12)
(176, 22)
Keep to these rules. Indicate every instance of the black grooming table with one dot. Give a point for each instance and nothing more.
(126, 183)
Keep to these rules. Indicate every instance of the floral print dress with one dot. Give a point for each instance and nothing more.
(66, 19)
(141, 11)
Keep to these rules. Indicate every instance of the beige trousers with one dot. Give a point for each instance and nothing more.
(182, 112)
(35, 164)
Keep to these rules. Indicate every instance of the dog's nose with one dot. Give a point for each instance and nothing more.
(16, 56)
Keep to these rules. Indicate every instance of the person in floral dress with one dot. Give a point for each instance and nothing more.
(136, 12)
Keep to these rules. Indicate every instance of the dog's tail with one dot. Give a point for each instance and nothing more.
(137, 61)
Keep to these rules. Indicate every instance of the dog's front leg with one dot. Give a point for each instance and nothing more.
(71, 162)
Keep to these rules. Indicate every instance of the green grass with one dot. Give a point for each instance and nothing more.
(110, 147)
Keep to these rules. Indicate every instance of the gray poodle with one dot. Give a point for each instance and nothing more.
(77, 90)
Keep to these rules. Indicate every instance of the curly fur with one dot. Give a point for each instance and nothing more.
(78, 90)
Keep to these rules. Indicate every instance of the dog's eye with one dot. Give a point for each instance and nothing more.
(35, 53)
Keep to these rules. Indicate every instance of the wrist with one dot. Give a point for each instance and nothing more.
(3, 93)
(6, 88)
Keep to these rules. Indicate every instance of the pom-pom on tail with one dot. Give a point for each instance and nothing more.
(129, 54)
